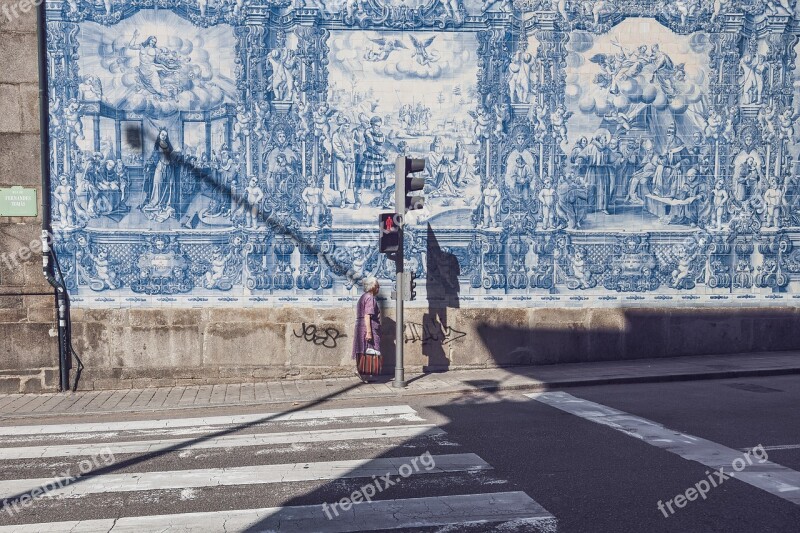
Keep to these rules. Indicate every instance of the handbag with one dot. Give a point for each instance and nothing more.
(370, 363)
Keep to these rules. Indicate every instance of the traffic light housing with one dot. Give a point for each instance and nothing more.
(407, 289)
(390, 233)
(411, 284)
(406, 182)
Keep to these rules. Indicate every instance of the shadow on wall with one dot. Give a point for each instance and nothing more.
(225, 194)
(388, 328)
(442, 288)
(583, 335)
(538, 336)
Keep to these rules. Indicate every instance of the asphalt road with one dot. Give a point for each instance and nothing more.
(594, 478)
(593, 459)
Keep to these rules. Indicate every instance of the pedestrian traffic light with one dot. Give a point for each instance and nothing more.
(390, 233)
(405, 184)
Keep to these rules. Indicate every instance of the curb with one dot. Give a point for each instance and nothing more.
(662, 378)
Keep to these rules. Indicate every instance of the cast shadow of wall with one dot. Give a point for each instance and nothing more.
(554, 336)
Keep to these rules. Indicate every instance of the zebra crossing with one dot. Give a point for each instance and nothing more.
(327, 470)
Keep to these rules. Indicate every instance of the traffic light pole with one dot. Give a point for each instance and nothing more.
(400, 206)
(403, 184)
(399, 371)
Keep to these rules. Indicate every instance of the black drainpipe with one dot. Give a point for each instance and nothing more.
(62, 299)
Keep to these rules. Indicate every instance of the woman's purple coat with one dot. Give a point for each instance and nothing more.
(367, 309)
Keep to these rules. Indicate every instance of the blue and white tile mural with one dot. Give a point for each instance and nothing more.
(601, 150)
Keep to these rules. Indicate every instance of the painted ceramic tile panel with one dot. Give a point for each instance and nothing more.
(211, 152)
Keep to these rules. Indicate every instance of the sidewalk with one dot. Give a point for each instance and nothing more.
(529, 378)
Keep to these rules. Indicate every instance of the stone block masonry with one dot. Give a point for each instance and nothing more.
(124, 348)
(28, 353)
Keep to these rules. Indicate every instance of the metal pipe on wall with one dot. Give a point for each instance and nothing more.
(61, 297)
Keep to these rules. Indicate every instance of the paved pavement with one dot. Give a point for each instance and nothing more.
(531, 378)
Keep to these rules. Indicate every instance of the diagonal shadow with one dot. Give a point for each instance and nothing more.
(201, 174)
(205, 176)
(459, 412)
(238, 199)
(43, 490)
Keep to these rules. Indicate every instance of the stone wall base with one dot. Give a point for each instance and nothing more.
(148, 347)
(133, 348)
(28, 346)
(28, 380)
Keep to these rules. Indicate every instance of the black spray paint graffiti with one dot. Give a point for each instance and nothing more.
(321, 337)
(430, 332)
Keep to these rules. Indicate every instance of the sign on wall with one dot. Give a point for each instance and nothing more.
(18, 201)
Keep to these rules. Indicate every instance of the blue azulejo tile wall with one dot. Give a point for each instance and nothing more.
(219, 152)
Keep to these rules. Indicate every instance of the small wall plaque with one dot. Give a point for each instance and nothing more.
(18, 201)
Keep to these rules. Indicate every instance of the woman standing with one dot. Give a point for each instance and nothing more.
(367, 338)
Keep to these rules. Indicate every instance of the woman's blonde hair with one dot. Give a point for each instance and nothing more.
(369, 283)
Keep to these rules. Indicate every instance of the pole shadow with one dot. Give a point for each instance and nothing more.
(442, 289)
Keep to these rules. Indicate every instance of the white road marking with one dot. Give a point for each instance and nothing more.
(778, 447)
(374, 516)
(257, 439)
(167, 423)
(768, 476)
(243, 475)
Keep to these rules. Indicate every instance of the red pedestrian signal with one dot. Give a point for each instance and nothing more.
(390, 233)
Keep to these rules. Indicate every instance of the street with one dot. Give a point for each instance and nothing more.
(695, 456)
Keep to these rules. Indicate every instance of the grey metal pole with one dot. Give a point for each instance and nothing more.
(399, 370)
(400, 207)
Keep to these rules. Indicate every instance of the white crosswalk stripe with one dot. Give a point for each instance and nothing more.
(232, 467)
(379, 515)
(259, 439)
(245, 475)
(170, 423)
